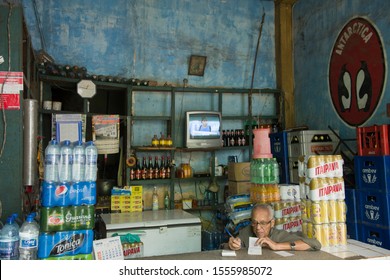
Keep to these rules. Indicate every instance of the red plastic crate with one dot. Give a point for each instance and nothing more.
(373, 140)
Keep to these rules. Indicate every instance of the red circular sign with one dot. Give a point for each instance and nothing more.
(357, 71)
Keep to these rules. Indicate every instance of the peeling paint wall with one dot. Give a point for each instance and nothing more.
(154, 39)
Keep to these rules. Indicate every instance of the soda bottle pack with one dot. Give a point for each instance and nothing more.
(68, 196)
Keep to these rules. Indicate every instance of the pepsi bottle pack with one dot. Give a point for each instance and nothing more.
(65, 184)
(68, 196)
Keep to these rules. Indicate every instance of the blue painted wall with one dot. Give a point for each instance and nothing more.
(154, 39)
(316, 27)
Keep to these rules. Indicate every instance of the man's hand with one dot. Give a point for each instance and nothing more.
(234, 243)
(266, 241)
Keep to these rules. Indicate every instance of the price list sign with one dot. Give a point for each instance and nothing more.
(11, 84)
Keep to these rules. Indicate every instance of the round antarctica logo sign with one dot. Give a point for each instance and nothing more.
(357, 71)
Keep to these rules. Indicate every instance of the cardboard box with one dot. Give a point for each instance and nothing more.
(239, 171)
(239, 187)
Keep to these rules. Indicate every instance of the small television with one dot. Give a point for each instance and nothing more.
(203, 129)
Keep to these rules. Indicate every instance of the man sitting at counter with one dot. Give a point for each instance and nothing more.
(262, 226)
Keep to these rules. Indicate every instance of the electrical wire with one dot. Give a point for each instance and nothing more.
(5, 80)
(39, 26)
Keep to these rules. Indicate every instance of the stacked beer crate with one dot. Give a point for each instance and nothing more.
(372, 176)
(279, 150)
(308, 142)
(323, 206)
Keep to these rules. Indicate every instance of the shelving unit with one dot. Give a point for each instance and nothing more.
(164, 113)
(175, 122)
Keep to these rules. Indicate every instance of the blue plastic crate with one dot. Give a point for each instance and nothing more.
(372, 172)
(375, 235)
(284, 173)
(351, 202)
(374, 207)
(353, 230)
(279, 147)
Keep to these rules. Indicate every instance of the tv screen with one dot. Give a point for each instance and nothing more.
(203, 129)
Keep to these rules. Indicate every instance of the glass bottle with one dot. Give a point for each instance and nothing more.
(156, 168)
(138, 171)
(168, 168)
(155, 200)
(168, 141)
(223, 138)
(162, 140)
(132, 173)
(232, 140)
(162, 168)
(150, 169)
(166, 201)
(144, 170)
(155, 141)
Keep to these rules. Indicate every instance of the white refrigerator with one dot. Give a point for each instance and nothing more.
(163, 232)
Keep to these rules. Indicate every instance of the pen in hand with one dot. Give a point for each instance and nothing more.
(228, 232)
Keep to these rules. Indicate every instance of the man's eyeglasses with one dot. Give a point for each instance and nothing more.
(262, 224)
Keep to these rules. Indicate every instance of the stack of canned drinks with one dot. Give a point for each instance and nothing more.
(288, 213)
(323, 199)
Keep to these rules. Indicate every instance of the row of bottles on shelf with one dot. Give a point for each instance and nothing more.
(155, 200)
(234, 137)
(67, 162)
(150, 170)
(76, 72)
(162, 141)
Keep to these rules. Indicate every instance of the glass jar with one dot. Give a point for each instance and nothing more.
(155, 141)
(168, 141)
(187, 170)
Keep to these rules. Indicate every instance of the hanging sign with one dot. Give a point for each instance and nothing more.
(11, 84)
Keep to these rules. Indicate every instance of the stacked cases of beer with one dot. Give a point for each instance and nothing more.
(372, 177)
(323, 198)
(308, 142)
